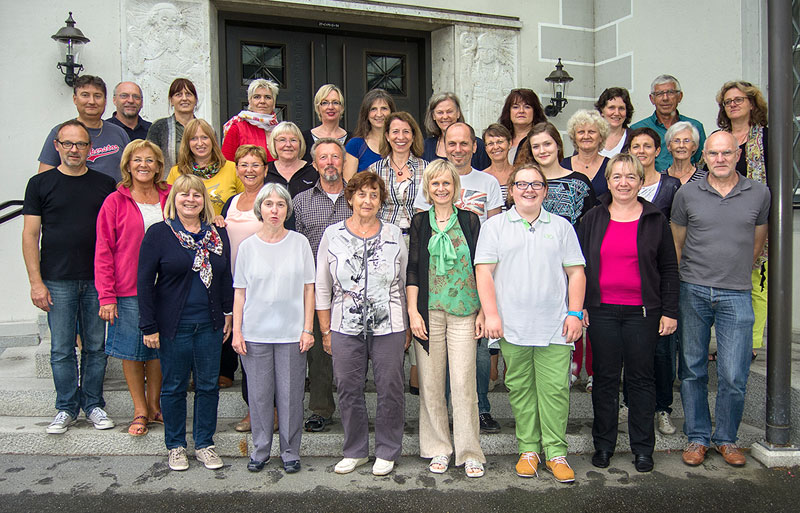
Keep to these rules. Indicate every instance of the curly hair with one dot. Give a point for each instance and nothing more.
(616, 92)
(758, 116)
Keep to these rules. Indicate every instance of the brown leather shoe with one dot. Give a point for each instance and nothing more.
(694, 454)
(732, 454)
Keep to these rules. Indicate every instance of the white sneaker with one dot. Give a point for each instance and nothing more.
(61, 422)
(665, 425)
(178, 459)
(382, 467)
(348, 465)
(100, 419)
(208, 457)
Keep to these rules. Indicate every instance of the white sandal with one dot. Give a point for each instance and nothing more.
(439, 464)
(473, 468)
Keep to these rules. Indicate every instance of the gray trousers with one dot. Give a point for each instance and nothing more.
(275, 377)
(350, 361)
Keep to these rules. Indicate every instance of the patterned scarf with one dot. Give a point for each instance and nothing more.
(265, 121)
(754, 156)
(440, 246)
(205, 172)
(210, 241)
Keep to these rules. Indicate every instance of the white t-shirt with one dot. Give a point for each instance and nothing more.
(151, 214)
(616, 149)
(480, 192)
(529, 280)
(274, 275)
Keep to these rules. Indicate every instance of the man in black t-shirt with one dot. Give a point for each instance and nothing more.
(61, 206)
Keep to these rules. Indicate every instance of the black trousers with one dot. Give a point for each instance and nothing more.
(629, 334)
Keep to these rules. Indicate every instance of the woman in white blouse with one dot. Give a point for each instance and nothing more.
(361, 269)
(273, 314)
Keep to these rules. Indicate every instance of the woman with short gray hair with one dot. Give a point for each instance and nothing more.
(682, 142)
(252, 125)
(273, 315)
(588, 131)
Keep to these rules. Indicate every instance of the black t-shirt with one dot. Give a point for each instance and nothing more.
(68, 206)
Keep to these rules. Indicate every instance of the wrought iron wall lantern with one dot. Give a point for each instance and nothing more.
(71, 41)
(559, 80)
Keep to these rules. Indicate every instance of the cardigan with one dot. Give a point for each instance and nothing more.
(419, 258)
(658, 263)
(668, 186)
(161, 302)
(120, 230)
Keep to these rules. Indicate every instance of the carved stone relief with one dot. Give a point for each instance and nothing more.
(161, 42)
(486, 72)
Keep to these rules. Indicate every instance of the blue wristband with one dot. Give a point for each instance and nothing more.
(579, 315)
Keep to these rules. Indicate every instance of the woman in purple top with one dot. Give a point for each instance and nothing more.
(631, 299)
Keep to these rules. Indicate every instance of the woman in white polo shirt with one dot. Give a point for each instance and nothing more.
(529, 270)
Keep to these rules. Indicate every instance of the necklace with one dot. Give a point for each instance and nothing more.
(359, 230)
(590, 162)
(400, 169)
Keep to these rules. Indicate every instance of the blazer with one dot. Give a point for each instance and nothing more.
(419, 258)
(658, 263)
(165, 277)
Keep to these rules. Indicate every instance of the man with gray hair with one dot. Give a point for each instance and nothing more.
(315, 209)
(665, 95)
(128, 101)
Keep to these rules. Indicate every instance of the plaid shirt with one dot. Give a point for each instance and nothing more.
(314, 211)
(399, 206)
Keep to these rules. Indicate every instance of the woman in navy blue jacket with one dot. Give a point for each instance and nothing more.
(185, 311)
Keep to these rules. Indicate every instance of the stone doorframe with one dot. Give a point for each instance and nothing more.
(474, 56)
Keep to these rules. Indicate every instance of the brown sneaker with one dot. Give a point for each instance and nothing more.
(694, 454)
(732, 454)
(561, 469)
(527, 464)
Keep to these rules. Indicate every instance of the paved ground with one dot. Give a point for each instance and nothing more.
(65, 484)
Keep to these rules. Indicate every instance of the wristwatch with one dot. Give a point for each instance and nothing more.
(579, 315)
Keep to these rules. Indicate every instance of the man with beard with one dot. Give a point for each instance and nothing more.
(128, 101)
(315, 209)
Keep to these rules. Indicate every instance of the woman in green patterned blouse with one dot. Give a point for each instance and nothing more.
(445, 318)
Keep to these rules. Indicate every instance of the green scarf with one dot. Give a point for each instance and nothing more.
(440, 247)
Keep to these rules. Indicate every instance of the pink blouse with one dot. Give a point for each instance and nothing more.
(240, 225)
(620, 281)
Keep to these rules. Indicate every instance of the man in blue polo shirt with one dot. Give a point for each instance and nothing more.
(128, 101)
(665, 95)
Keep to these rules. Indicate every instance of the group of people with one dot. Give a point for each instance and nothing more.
(309, 253)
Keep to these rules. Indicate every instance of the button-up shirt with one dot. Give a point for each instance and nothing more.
(314, 211)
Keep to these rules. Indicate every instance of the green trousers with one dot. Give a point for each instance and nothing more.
(537, 379)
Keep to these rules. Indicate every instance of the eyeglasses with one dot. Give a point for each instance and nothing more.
(668, 92)
(685, 142)
(255, 166)
(125, 96)
(523, 186)
(714, 154)
(67, 145)
(736, 101)
(326, 103)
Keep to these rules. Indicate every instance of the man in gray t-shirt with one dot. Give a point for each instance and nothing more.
(720, 225)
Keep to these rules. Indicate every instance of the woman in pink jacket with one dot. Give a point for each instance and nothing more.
(125, 216)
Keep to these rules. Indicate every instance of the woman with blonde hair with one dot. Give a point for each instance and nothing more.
(588, 131)
(185, 292)
(329, 108)
(201, 156)
(122, 222)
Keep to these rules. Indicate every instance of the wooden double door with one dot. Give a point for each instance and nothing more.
(303, 58)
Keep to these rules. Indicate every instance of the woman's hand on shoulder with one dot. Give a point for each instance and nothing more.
(219, 221)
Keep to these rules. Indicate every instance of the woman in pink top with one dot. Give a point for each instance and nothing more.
(241, 222)
(631, 299)
(125, 216)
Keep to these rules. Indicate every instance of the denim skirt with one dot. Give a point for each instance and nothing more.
(124, 339)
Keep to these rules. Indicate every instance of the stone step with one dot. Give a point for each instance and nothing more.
(25, 397)
(26, 435)
(19, 334)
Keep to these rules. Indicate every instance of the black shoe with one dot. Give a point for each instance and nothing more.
(316, 423)
(488, 424)
(643, 462)
(290, 467)
(601, 458)
(413, 390)
(256, 466)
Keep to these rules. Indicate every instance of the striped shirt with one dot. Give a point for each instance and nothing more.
(399, 206)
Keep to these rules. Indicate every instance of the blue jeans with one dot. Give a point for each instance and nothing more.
(731, 311)
(196, 349)
(75, 304)
(482, 370)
